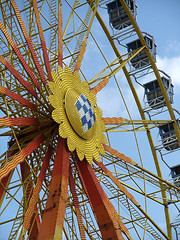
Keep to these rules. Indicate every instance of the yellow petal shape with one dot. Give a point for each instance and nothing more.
(62, 131)
(71, 145)
(80, 154)
(55, 77)
(89, 158)
(101, 149)
(52, 100)
(55, 115)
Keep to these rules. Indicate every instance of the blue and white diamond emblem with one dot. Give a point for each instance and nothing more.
(86, 112)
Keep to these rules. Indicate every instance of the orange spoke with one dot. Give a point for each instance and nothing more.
(19, 55)
(27, 189)
(81, 55)
(18, 76)
(116, 181)
(60, 35)
(34, 198)
(18, 121)
(119, 155)
(100, 85)
(41, 34)
(20, 157)
(28, 40)
(113, 120)
(18, 98)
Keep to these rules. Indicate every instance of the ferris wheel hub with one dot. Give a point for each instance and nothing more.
(80, 113)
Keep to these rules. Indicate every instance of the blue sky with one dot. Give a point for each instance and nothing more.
(161, 19)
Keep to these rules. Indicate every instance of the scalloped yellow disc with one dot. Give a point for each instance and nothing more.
(78, 116)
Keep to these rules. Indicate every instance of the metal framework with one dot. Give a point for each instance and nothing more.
(50, 186)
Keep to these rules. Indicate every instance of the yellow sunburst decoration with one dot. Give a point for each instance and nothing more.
(77, 114)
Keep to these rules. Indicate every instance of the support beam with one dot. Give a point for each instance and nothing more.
(27, 189)
(5, 181)
(109, 221)
(53, 217)
(76, 205)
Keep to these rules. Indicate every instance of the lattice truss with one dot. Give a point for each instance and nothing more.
(32, 44)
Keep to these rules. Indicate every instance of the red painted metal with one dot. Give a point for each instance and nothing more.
(104, 211)
(18, 121)
(18, 98)
(53, 217)
(19, 158)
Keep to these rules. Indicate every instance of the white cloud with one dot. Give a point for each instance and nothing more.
(173, 47)
(109, 102)
(112, 105)
(172, 67)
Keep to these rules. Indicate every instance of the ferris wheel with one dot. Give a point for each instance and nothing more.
(79, 158)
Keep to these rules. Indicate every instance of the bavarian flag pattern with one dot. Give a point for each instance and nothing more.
(86, 112)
